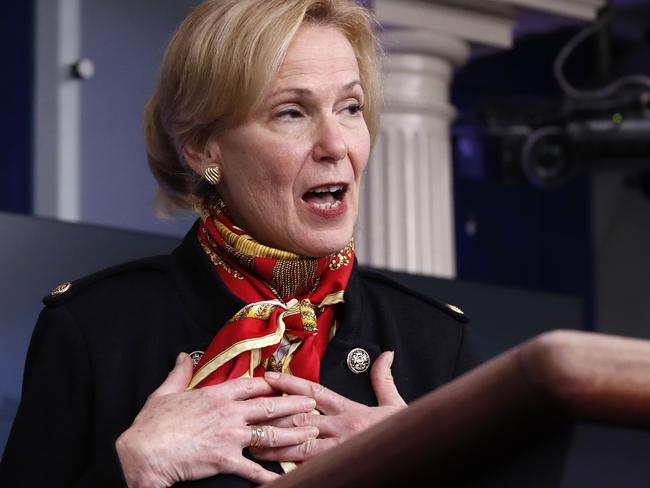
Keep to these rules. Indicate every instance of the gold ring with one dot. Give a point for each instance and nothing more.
(257, 436)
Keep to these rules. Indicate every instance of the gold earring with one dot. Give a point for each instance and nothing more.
(212, 174)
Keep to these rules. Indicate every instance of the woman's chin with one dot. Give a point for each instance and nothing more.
(322, 243)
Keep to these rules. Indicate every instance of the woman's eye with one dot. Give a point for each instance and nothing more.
(290, 113)
(355, 108)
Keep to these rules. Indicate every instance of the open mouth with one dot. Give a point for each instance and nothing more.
(326, 197)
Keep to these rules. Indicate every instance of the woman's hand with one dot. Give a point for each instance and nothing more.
(343, 418)
(183, 435)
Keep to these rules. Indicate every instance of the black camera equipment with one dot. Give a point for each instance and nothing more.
(550, 142)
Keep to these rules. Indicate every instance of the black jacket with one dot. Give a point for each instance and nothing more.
(100, 348)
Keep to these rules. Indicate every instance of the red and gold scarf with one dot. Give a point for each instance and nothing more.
(289, 318)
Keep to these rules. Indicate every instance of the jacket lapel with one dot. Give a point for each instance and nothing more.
(353, 331)
(206, 299)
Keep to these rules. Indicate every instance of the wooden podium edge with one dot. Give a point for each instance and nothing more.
(492, 411)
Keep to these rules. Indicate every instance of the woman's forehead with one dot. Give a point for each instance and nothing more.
(321, 53)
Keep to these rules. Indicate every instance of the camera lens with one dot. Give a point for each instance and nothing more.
(545, 158)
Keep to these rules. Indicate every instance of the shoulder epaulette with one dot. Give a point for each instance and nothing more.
(451, 310)
(68, 289)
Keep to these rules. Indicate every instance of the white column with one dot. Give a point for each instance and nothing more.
(406, 216)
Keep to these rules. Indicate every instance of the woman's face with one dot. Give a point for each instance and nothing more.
(291, 172)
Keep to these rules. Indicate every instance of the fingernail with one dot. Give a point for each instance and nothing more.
(272, 374)
(180, 358)
(392, 356)
(313, 432)
(310, 403)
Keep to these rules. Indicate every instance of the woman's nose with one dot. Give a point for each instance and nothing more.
(330, 144)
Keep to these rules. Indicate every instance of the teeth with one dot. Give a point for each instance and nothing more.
(326, 189)
(327, 206)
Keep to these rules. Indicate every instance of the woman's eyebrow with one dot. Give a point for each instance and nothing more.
(308, 93)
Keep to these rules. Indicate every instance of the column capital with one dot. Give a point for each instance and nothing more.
(429, 43)
(485, 22)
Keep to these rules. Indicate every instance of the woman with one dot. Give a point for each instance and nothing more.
(263, 121)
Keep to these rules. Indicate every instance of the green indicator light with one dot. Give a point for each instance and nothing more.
(617, 118)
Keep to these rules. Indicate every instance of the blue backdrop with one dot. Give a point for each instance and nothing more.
(16, 52)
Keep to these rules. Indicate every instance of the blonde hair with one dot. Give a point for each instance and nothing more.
(218, 66)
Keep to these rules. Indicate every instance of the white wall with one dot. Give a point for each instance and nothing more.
(125, 40)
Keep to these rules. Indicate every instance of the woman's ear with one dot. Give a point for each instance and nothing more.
(202, 157)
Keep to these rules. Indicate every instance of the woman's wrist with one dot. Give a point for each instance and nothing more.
(137, 471)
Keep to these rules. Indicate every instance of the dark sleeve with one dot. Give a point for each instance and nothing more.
(50, 442)
(467, 357)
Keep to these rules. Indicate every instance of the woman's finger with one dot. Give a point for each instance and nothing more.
(300, 452)
(268, 436)
(326, 424)
(382, 381)
(260, 410)
(240, 389)
(178, 378)
(251, 471)
(327, 401)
